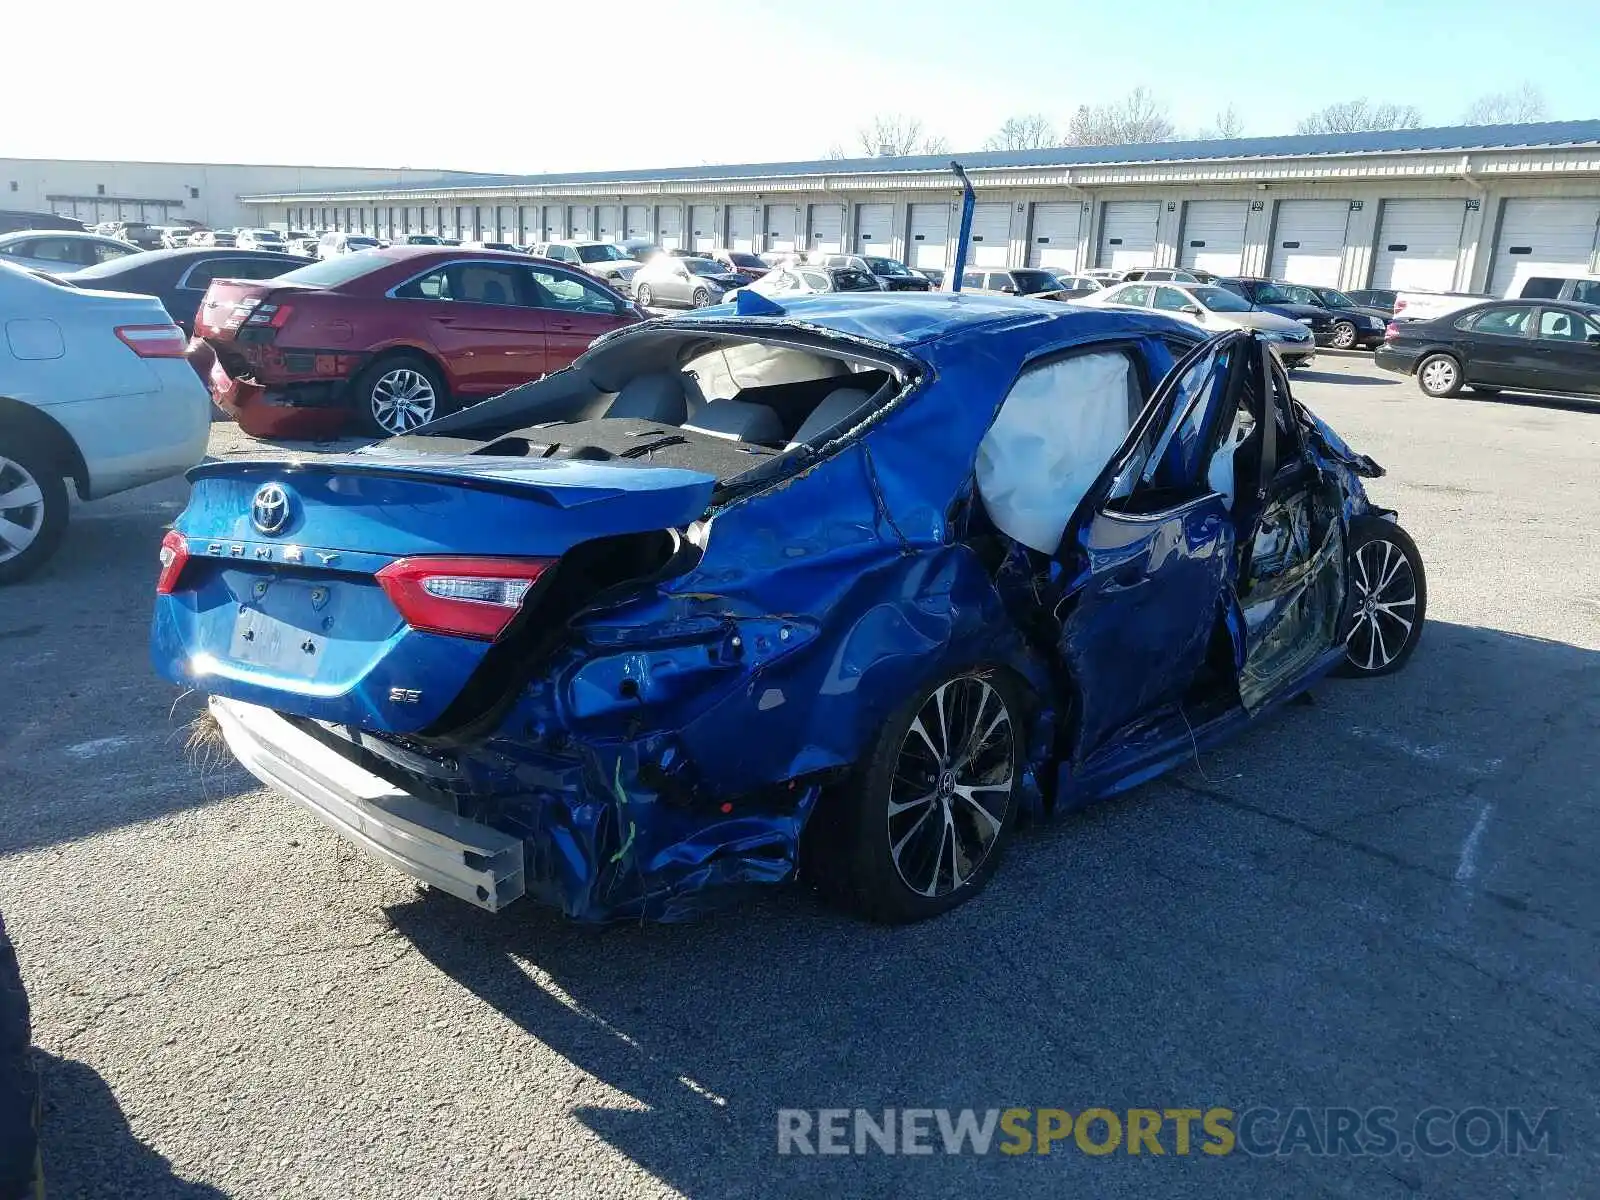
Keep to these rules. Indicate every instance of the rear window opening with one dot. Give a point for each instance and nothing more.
(722, 405)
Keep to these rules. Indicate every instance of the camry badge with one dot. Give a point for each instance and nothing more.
(269, 511)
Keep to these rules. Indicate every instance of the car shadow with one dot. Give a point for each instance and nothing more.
(1202, 939)
(1305, 376)
(91, 738)
(88, 1147)
(1577, 404)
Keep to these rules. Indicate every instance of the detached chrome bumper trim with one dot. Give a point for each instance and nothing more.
(466, 858)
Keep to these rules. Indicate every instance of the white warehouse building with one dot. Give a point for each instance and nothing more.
(1465, 209)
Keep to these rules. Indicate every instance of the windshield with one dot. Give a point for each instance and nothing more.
(1266, 293)
(746, 260)
(704, 266)
(266, 235)
(1219, 299)
(331, 272)
(886, 266)
(1034, 281)
(591, 254)
(1329, 298)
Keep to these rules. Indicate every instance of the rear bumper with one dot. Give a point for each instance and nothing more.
(313, 409)
(1391, 359)
(467, 859)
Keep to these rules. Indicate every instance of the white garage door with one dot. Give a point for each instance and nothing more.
(741, 227)
(669, 227)
(703, 227)
(874, 228)
(930, 235)
(1308, 241)
(1128, 234)
(608, 222)
(1054, 241)
(1418, 241)
(989, 244)
(554, 223)
(636, 221)
(1543, 237)
(827, 227)
(783, 227)
(1213, 235)
(582, 221)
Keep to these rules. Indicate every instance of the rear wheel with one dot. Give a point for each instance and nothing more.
(918, 829)
(1386, 599)
(33, 509)
(1439, 375)
(399, 392)
(1344, 335)
(701, 298)
(643, 295)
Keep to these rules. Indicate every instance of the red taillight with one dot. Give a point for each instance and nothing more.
(463, 597)
(273, 316)
(153, 341)
(174, 555)
(1399, 306)
(1391, 331)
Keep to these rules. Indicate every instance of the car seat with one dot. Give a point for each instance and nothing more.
(738, 420)
(833, 410)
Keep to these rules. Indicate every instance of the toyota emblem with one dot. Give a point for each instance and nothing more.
(269, 511)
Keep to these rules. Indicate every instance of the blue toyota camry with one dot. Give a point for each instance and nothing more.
(845, 588)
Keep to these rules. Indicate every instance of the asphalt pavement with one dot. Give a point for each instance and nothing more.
(1386, 897)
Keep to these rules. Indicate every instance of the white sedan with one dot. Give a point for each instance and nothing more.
(1213, 309)
(94, 387)
(60, 250)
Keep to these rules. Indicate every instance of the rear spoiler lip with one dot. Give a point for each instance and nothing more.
(532, 488)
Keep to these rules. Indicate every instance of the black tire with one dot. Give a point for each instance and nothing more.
(369, 405)
(26, 470)
(1439, 375)
(19, 1084)
(1367, 657)
(642, 295)
(1344, 336)
(701, 298)
(1478, 389)
(860, 853)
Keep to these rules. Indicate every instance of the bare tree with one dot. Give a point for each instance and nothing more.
(891, 135)
(1526, 103)
(1136, 119)
(1229, 124)
(1029, 132)
(1356, 116)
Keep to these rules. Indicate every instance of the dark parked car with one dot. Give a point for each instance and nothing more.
(1353, 324)
(394, 337)
(179, 278)
(1549, 346)
(834, 589)
(141, 233)
(1381, 299)
(742, 261)
(1266, 296)
(892, 274)
(12, 220)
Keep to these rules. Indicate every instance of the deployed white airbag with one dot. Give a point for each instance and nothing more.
(1057, 429)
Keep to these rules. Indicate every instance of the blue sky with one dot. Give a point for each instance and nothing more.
(502, 85)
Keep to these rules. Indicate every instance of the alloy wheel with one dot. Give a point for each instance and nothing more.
(21, 509)
(1344, 335)
(1383, 605)
(1439, 376)
(701, 298)
(642, 295)
(403, 399)
(951, 787)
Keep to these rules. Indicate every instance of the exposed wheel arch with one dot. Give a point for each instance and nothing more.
(37, 428)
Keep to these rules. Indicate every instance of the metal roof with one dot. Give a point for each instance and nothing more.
(1458, 138)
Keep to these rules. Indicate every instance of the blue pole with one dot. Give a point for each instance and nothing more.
(967, 201)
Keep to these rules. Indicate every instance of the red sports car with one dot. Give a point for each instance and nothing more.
(389, 339)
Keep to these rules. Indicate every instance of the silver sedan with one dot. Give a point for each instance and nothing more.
(695, 282)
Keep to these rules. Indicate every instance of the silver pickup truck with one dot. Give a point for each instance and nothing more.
(1429, 306)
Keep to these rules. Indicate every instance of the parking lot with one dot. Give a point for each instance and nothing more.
(1387, 895)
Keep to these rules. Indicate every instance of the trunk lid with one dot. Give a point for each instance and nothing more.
(230, 304)
(271, 593)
